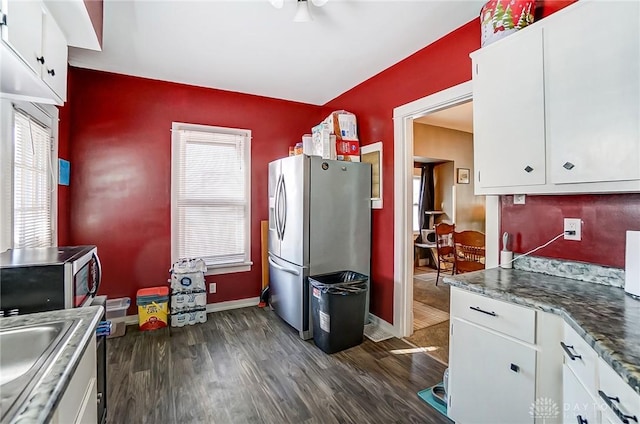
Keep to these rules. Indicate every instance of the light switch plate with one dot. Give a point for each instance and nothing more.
(212, 287)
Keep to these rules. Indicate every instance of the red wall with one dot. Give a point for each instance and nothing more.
(121, 167)
(438, 66)
(605, 217)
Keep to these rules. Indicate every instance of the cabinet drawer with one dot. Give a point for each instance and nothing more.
(580, 358)
(515, 321)
(577, 404)
(626, 402)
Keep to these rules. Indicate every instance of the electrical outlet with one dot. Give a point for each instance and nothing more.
(212, 287)
(519, 199)
(574, 226)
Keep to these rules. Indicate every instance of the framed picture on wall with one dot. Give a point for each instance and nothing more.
(463, 175)
(372, 153)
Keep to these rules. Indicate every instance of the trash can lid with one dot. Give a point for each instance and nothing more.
(154, 291)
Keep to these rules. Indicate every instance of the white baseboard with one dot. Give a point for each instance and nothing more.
(383, 325)
(212, 307)
(232, 304)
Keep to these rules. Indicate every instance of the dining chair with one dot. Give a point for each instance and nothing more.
(469, 251)
(444, 248)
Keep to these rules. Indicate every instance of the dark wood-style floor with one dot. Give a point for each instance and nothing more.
(248, 366)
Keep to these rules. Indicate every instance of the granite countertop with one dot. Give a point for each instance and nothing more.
(605, 316)
(45, 396)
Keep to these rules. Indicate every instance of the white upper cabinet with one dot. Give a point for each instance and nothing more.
(23, 30)
(55, 51)
(508, 112)
(33, 53)
(592, 73)
(562, 99)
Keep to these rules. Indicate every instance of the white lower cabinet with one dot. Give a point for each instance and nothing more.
(502, 372)
(79, 401)
(492, 377)
(578, 405)
(620, 404)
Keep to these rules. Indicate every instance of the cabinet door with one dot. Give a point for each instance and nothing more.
(23, 31)
(491, 378)
(54, 70)
(611, 385)
(578, 405)
(508, 112)
(592, 89)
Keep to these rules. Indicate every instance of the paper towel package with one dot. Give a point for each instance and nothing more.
(632, 264)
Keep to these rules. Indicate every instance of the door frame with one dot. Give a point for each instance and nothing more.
(403, 117)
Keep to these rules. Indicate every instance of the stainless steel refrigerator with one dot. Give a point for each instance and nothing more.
(319, 222)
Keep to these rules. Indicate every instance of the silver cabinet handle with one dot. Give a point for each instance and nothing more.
(528, 168)
(281, 268)
(568, 166)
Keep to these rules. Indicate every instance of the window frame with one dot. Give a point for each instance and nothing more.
(46, 115)
(176, 127)
(416, 202)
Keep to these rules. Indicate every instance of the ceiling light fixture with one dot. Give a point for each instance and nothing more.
(302, 12)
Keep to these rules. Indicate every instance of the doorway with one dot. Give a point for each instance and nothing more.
(404, 117)
(443, 152)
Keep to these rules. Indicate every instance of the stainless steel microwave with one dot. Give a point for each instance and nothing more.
(45, 279)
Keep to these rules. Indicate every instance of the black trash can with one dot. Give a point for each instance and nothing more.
(337, 304)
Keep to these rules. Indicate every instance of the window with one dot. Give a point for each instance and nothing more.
(210, 196)
(32, 183)
(28, 174)
(416, 205)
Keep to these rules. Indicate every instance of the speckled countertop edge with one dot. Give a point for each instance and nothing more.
(45, 396)
(605, 317)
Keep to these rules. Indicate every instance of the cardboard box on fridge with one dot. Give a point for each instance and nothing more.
(344, 147)
(348, 150)
(323, 142)
(343, 124)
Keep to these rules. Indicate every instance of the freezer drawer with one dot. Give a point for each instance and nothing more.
(290, 294)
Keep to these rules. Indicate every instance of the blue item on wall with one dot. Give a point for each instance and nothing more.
(64, 171)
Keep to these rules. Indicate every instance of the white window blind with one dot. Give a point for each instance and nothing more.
(32, 183)
(210, 195)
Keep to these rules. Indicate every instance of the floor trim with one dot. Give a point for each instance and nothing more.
(232, 304)
(383, 325)
(212, 307)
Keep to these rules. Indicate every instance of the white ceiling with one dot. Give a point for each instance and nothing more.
(249, 46)
(458, 117)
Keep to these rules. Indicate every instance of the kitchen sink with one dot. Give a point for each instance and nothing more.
(25, 354)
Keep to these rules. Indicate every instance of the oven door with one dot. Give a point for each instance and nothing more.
(87, 274)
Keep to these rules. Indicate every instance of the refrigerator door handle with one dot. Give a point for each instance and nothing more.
(277, 208)
(281, 268)
(283, 188)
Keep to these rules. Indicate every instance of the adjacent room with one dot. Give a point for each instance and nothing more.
(443, 192)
